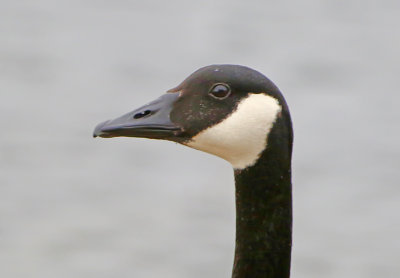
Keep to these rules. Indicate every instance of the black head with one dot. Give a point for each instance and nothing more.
(226, 99)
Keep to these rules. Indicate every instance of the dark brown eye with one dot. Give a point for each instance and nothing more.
(220, 91)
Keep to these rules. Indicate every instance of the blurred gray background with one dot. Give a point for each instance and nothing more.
(72, 206)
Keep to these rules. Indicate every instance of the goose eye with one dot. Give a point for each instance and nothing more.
(220, 91)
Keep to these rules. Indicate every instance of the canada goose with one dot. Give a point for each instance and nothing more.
(238, 114)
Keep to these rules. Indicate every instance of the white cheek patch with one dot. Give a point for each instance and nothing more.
(241, 138)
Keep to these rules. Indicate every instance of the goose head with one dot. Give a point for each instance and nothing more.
(224, 110)
(238, 114)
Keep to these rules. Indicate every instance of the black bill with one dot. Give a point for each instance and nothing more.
(149, 121)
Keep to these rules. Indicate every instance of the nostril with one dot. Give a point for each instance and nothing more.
(142, 114)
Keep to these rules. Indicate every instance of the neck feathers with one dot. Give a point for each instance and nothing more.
(264, 209)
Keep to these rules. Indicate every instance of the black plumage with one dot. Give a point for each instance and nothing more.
(263, 189)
